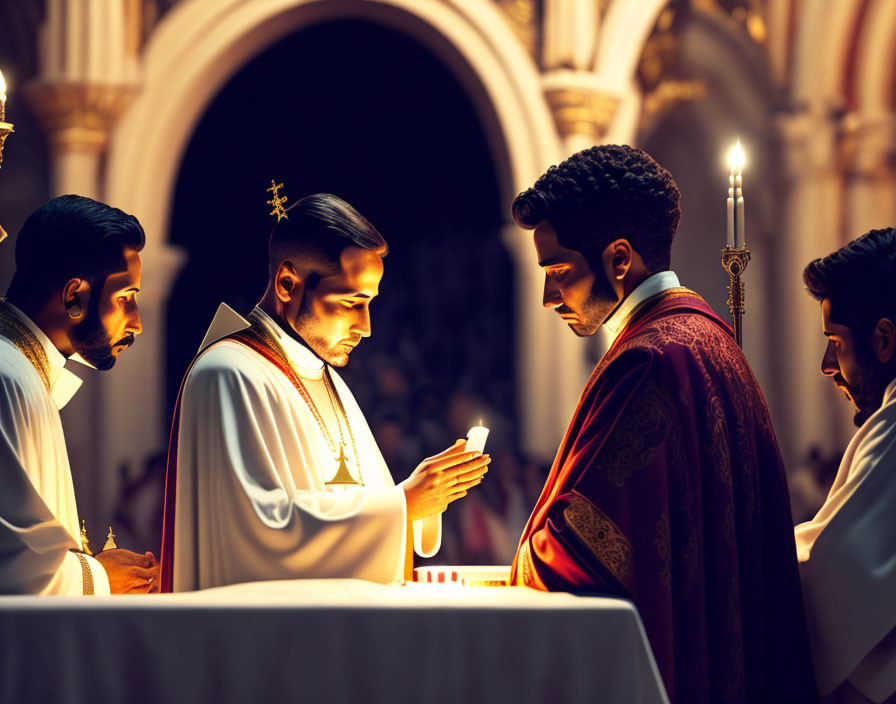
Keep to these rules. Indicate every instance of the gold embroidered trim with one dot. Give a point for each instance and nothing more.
(603, 538)
(526, 568)
(13, 328)
(86, 575)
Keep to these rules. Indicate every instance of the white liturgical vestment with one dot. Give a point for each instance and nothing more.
(38, 513)
(847, 558)
(252, 501)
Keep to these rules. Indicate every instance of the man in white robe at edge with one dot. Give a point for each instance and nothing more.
(264, 425)
(73, 296)
(847, 552)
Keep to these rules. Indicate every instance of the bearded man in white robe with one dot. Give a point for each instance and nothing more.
(273, 472)
(847, 553)
(73, 296)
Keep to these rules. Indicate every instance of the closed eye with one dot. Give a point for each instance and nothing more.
(558, 274)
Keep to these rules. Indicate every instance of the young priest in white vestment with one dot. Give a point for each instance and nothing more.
(273, 471)
(847, 553)
(73, 296)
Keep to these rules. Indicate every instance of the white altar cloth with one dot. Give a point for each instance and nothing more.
(326, 641)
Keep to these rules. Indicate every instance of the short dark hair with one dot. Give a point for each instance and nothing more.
(604, 193)
(860, 281)
(72, 237)
(315, 231)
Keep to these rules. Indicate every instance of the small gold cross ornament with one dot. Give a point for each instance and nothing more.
(277, 201)
(85, 545)
(110, 541)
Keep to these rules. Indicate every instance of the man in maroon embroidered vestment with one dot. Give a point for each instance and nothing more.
(668, 488)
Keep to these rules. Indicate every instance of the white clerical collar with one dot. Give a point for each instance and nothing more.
(298, 354)
(63, 383)
(889, 393)
(612, 327)
(227, 322)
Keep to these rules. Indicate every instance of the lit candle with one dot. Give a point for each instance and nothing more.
(2, 98)
(476, 438)
(736, 160)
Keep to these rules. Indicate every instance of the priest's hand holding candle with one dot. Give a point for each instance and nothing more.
(445, 477)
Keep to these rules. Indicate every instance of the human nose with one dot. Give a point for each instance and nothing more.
(551, 297)
(362, 324)
(134, 324)
(829, 364)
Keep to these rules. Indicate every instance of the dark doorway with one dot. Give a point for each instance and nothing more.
(360, 111)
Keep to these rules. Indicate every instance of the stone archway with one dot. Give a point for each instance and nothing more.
(194, 51)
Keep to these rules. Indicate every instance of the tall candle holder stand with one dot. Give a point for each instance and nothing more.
(5, 130)
(734, 261)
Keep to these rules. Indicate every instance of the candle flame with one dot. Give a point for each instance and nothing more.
(736, 157)
(480, 421)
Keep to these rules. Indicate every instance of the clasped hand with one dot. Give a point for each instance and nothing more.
(130, 572)
(443, 478)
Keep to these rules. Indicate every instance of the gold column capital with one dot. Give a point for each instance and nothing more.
(522, 16)
(580, 110)
(78, 116)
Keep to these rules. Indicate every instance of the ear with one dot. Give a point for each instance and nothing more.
(75, 296)
(618, 259)
(288, 285)
(883, 340)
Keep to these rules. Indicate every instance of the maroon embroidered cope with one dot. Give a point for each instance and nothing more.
(669, 490)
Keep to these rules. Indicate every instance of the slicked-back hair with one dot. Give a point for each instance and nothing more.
(315, 232)
(860, 281)
(605, 193)
(72, 237)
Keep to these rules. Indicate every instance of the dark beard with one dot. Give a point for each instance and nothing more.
(92, 342)
(303, 328)
(866, 392)
(597, 308)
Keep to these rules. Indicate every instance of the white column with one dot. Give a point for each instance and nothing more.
(132, 396)
(569, 34)
(808, 411)
(583, 110)
(870, 145)
(87, 79)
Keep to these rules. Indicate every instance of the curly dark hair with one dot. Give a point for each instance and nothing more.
(604, 193)
(860, 281)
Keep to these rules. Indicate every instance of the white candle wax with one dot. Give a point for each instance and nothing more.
(730, 239)
(2, 98)
(476, 438)
(735, 203)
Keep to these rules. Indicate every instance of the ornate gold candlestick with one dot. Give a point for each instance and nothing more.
(734, 261)
(5, 131)
(5, 127)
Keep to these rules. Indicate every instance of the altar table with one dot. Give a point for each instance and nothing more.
(326, 641)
